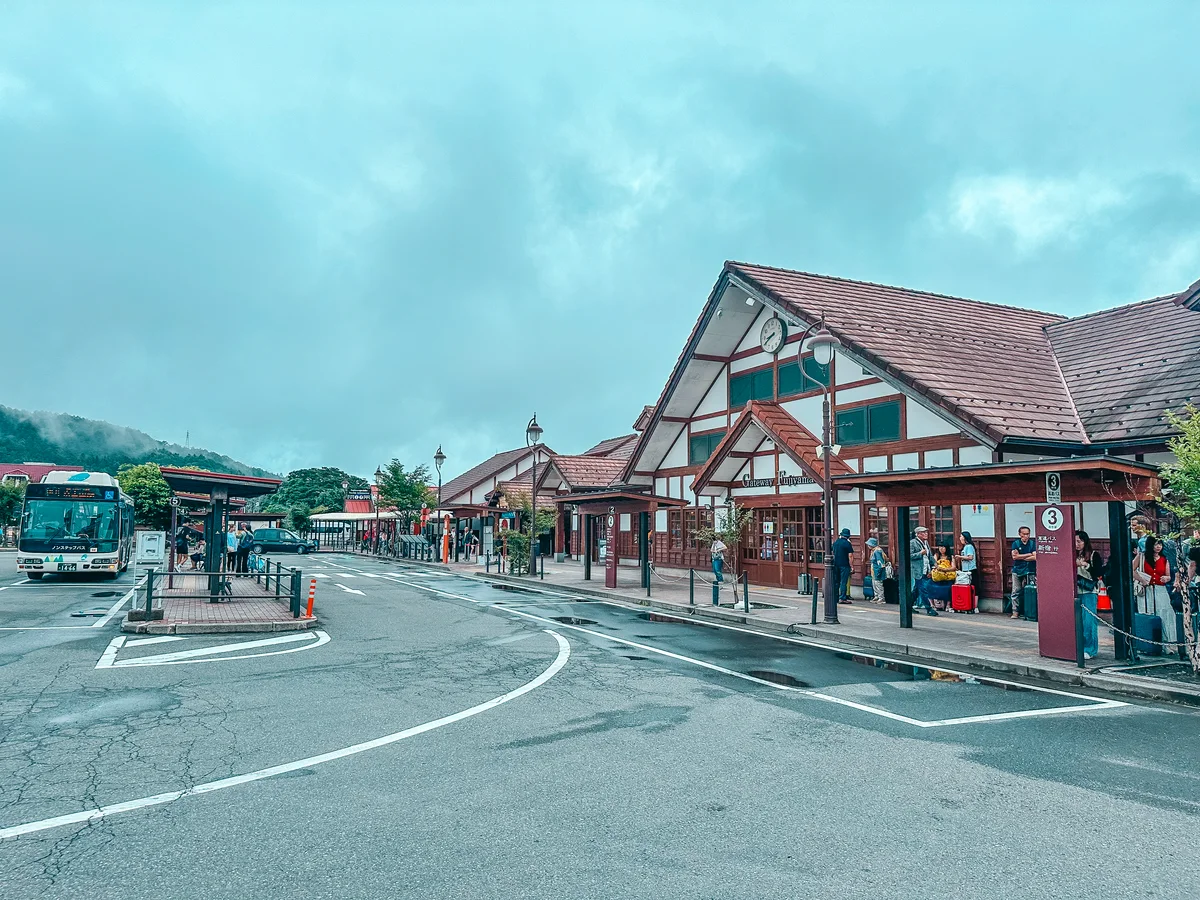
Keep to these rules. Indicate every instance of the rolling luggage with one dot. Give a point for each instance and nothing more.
(962, 598)
(1029, 602)
(891, 590)
(1145, 629)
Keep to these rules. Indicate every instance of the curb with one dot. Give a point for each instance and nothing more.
(160, 627)
(1129, 686)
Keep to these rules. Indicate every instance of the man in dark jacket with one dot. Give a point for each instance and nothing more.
(842, 548)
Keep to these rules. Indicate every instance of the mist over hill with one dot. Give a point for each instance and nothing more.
(98, 446)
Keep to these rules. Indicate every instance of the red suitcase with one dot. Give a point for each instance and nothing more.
(962, 598)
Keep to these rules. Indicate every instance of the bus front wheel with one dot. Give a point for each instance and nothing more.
(34, 576)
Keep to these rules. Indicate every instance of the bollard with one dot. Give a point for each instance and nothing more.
(277, 568)
(295, 593)
(312, 595)
(716, 594)
(814, 602)
(1079, 631)
(745, 592)
(691, 587)
(487, 563)
(149, 593)
(542, 567)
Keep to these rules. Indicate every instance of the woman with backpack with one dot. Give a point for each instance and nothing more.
(1089, 569)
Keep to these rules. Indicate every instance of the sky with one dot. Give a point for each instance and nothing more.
(309, 233)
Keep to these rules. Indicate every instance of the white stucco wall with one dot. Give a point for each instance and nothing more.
(923, 423)
(971, 456)
(717, 398)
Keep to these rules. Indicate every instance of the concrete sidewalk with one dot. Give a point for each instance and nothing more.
(979, 643)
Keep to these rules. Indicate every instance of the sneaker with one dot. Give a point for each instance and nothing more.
(843, 603)
(1088, 656)
(931, 611)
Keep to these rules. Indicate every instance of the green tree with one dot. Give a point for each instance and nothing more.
(12, 495)
(730, 532)
(150, 493)
(518, 541)
(311, 488)
(1181, 495)
(406, 491)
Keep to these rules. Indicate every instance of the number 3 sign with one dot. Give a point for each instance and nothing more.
(1052, 518)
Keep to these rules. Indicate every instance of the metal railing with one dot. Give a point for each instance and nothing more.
(219, 586)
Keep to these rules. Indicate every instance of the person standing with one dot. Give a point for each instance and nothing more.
(181, 548)
(919, 567)
(879, 565)
(1156, 576)
(231, 546)
(245, 541)
(1088, 568)
(842, 548)
(718, 559)
(967, 558)
(1024, 570)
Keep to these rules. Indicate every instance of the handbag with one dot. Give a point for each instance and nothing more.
(889, 571)
(962, 578)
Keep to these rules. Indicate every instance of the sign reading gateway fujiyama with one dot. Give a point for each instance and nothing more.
(784, 480)
(1055, 532)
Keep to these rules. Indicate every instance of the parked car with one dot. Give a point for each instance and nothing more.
(280, 540)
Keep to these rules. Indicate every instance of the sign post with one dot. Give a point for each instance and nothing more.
(1055, 532)
(1053, 487)
(610, 550)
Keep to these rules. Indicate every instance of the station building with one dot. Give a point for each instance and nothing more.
(947, 408)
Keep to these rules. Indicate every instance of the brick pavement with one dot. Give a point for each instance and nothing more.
(249, 608)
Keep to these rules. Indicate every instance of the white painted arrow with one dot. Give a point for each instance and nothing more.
(349, 590)
(311, 639)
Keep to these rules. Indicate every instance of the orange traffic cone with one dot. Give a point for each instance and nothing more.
(1103, 603)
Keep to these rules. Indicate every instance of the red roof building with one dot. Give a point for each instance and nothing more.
(32, 472)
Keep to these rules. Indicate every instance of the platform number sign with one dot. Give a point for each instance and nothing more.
(1052, 518)
(1053, 487)
(174, 501)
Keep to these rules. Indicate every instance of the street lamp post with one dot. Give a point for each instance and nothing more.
(342, 525)
(438, 459)
(533, 434)
(378, 485)
(823, 344)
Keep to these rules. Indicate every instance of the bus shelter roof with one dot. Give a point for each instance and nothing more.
(1083, 480)
(196, 481)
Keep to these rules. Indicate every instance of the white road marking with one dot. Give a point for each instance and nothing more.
(349, 590)
(161, 639)
(5, 587)
(319, 575)
(116, 608)
(312, 640)
(110, 652)
(103, 812)
(1090, 704)
(43, 627)
(345, 575)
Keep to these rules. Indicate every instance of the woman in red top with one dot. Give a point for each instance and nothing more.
(1156, 576)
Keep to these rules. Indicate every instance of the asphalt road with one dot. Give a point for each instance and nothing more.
(533, 746)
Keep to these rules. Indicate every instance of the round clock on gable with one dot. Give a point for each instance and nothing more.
(774, 333)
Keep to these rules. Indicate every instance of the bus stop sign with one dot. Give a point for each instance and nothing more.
(1053, 487)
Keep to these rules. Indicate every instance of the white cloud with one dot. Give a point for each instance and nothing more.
(1032, 212)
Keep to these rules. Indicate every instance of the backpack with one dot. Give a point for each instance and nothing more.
(246, 540)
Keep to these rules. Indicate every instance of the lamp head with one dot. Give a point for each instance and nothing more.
(439, 458)
(533, 432)
(822, 345)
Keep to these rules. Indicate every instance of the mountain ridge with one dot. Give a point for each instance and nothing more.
(98, 446)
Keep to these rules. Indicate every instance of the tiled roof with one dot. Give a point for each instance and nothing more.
(580, 472)
(516, 492)
(618, 447)
(489, 468)
(792, 438)
(643, 420)
(989, 365)
(35, 472)
(1126, 366)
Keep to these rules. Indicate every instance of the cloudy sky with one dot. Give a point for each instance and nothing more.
(333, 233)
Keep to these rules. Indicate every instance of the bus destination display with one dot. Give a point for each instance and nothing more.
(71, 492)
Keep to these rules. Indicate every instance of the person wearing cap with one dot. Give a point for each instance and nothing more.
(919, 567)
(842, 548)
(879, 564)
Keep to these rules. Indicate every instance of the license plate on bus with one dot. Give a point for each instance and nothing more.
(66, 567)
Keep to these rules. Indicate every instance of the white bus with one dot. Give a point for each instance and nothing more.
(75, 522)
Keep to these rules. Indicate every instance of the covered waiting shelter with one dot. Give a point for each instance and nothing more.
(219, 488)
(616, 502)
(1092, 479)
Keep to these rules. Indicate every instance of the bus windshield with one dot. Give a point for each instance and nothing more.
(87, 521)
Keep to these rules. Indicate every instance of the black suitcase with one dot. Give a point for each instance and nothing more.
(1029, 602)
(891, 590)
(1145, 629)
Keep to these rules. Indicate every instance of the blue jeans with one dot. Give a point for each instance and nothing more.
(1091, 628)
(843, 583)
(920, 595)
(718, 567)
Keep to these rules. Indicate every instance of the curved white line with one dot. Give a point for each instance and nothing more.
(321, 639)
(103, 812)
